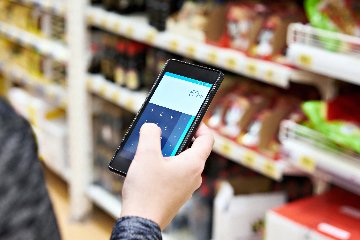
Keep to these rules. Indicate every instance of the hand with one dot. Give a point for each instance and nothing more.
(156, 187)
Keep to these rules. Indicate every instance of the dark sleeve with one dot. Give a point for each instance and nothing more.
(25, 208)
(135, 228)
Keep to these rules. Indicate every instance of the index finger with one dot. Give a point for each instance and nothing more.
(202, 145)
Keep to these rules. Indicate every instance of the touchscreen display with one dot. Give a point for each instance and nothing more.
(173, 107)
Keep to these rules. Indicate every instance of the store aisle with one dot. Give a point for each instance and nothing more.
(97, 226)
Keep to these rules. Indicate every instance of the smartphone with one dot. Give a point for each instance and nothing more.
(177, 102)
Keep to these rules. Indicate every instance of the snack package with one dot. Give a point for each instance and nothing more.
(243, 25)
(344, 133)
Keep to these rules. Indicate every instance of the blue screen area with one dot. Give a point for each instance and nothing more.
(173, 107)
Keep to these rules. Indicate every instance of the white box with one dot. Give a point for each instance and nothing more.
(235, 216)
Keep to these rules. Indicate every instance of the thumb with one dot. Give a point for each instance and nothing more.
(149, 140)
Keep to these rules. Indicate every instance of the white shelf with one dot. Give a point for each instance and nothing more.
(249, 158)
(309, 49)
(53, 93)
(137, 28)
(314, 157)
(132, 101)
(58, 6)
(105, 200)
(44, 46)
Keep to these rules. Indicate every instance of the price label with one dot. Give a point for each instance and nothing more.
(173, 45)
(90, 18)
(117, 26)
(32, 114)
(150, 37)
(212, 57)
(231, 63)
(226, 148)
(103, 22)
(130, 31)
(249, 159)
(270, 169)
(305, 60)
(269, 75)
(129, 104)
(102, 90)
(307, 163)
(115, 97)
(251, 69)
(190, 50)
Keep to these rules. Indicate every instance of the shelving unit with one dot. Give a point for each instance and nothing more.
(45, 46)
(59, 7)
(53, 93)
(332, 54)
(316, 158)
(137, 28)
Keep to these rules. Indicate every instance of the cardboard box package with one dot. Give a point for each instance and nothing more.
(334, 215)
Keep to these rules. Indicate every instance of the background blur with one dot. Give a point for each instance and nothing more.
(286, 161)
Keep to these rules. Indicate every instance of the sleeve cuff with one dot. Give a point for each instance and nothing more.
(131, 227)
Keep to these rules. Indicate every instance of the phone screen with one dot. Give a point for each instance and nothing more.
(173, 107)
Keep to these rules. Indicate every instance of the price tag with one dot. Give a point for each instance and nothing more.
(130, 31)
(173, 45)
(270, 169)
(269, 75)
(129, 104)
(249, 159)
(115, 97)
(305, 60)
(307, 163)
(90, 18)
(231, 63)
(117, 26)
(150, 37)
(251, 69)
(103, 90)
(212, 57)
(103, 22)
(226, 148)
(32, 114)
(190, 50)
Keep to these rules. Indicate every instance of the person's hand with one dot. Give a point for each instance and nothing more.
(156, 187)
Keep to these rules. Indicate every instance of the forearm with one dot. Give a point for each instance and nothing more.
(135, 228)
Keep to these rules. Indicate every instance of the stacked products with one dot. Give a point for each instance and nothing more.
(125, 62)
(32, 18)
(45, 69)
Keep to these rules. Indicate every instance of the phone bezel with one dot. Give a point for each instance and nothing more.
(202, 73)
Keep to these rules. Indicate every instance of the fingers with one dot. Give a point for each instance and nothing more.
(202, 145)
(203, 129)
(149, 141)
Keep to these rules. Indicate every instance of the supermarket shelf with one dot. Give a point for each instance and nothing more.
(55, 94)
(137, 28)
(309, 48)
(309, 151)
(45, 46)
(58, 7)
(120, 96)
(105, 200)
(249, 158)
(133, 100)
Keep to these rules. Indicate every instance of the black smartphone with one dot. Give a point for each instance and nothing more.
(177, 102)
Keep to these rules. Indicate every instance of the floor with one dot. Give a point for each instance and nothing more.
(96, 226)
